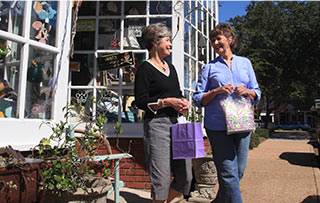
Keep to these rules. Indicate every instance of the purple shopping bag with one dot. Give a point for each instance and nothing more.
(187, 141)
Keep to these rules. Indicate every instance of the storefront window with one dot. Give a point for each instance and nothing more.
(84, 39)
(40, 83)
(110, 8)
(88, 8)
(43, 22)
(9, 78)
(109, 34)
(186, 72)
(11, 16)
(134, 7)
(161, 7)
(133, 32)
(81, 67)
(186, 37)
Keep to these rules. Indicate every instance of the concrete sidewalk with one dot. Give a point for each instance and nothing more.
(282, 171)
(278, 171)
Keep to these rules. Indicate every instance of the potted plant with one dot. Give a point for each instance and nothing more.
(71, 172)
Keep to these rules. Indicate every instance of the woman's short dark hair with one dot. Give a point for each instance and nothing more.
(153, 33)
(226, 30)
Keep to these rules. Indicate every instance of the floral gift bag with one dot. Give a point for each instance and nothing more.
(239, 114)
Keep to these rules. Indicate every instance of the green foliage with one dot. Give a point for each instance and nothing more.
(262, 132)
(194, 115)
(260, 135)
(254, 140)
(70, 158)
(282, 40)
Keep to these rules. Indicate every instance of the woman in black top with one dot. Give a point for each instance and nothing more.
(157, 92)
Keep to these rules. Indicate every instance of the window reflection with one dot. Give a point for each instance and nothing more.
(109, 34)
(134, 7)
(43, 21)
(133, 33)
(11, 16)
(82, 69)
(9, 78)
(40, 83)
(161, 7)
(84, 39)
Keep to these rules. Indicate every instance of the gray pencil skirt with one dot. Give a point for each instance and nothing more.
(157, 146)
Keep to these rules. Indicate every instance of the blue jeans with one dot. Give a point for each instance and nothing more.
(230, 154)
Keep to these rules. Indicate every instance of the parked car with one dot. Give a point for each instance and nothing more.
(291, 127)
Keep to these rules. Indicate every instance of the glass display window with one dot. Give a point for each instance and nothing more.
(161, 7)
(135, 7)
(186, 40)
(83, 74)
(9, 78)
(110, 8)
(11, 16)
(43, 21)
(167, 21)
(109, 34)
(88, 8)
(133, 32)
(186, 72)
(40, 84)
(84, 39)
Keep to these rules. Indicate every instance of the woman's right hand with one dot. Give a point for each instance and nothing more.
(225, 89)
(177, 103)
(208, 96)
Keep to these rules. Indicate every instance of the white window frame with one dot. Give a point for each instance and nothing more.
(23, 133)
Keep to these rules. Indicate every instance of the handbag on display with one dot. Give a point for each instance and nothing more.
(187, 141)
(239, 114)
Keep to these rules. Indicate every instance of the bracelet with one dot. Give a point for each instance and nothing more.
(162, 102)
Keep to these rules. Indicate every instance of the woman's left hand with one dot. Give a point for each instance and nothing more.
(242, 91)
(185, 107)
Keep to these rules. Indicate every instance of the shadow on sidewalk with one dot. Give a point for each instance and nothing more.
(131, 198)
(311, 199)
(301, 159)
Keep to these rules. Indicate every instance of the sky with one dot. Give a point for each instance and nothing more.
(231, 9)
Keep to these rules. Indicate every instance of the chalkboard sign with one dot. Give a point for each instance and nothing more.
(116, 60)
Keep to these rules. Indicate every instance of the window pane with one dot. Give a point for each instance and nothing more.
(186, 72)
(88, 8)
(109, 34)
(186, 10)
(193, 42)
(161, 7)
(110, 8)
(193, 13)
(130, 110)
(200, 12)
(43, 21)
(193, 74)
(84, 74)
(134, 7)
(84, 101)
(84, 39)
(132, 33)
(40, 83)
(186, 37)
(9, 78)
(11, 16)
(166, 21)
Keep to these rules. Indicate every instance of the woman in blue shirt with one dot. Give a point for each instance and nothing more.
(228, 74)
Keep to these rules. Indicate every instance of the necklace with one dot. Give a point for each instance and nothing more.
(162, 66)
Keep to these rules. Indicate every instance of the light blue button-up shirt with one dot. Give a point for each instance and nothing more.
(217, 74)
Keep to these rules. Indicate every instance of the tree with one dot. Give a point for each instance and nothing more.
(282, 40)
